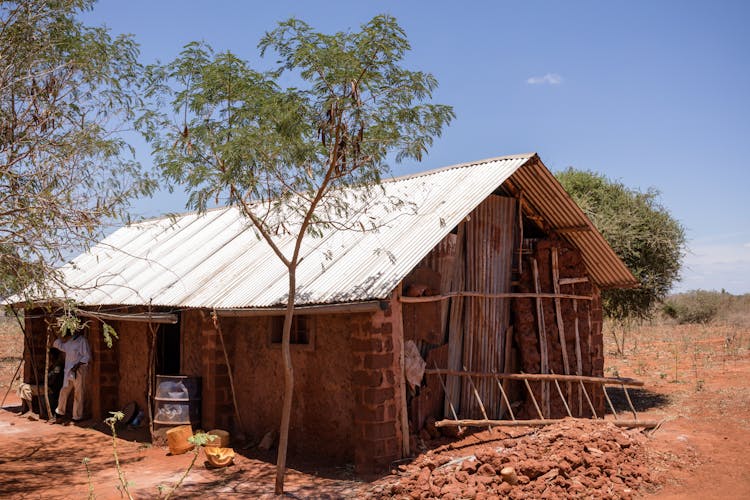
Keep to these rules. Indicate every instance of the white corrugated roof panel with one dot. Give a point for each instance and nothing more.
(217, 260)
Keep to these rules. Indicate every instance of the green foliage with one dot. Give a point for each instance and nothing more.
(68, 323)
(109, 334)
(642, 233)
(233, 134)
(65, 170)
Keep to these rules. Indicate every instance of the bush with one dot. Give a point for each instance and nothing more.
(697, 306)
(640, 230)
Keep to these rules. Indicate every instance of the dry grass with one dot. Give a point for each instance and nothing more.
(666, 351)
(11, 351)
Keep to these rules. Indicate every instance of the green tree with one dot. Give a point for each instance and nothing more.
(67, 90)
(640, 230)
(285, 155)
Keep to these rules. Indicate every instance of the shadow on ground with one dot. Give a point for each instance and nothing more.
(642, 399)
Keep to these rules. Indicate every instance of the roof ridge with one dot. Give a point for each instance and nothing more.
(461, 165)
(391, 179)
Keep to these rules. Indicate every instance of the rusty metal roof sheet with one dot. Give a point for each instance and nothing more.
(217, 260)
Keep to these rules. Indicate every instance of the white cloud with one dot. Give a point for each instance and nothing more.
(548, 79)
(716, 266)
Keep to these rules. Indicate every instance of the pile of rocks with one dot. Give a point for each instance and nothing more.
(572, 459)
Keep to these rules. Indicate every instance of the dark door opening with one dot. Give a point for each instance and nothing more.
(168, 349)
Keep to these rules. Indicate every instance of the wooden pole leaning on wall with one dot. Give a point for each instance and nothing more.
(609, 401)
(504, 394)
(646, 424)
(217, 325)
(630, 403)
(585, 393)
(544, 359)
(455, 323)
(404, 405)
(562, 397)
(447, 399)
(506, 367)
(479, 400)
(579, 357)
(559, 316)
(533, 399)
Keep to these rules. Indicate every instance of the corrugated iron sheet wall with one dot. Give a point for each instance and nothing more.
(490, 233)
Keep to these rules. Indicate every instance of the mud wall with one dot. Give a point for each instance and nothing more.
(322, 422)
(132, 362)
(583, 316)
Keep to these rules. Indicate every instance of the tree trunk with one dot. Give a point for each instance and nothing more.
(286, 411)
(46, 382)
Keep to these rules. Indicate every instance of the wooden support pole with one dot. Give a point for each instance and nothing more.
(217, 325)
(565, 403)
(400, 341)
(544, 362)
(479, 400)
(572, 281)
(548, 377)
(585, 393)
(506, 366)
(611, 406)
(505, 398)
(520, 229)
(448, 402)
(647, 424)
(533, 399)
(579, 357)
(630, 403)
(558, 315)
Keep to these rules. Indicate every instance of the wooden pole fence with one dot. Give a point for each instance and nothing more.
(648, 424)
(545, 377)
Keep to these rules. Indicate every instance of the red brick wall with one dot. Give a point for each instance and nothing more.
(217, 411)
(377, 384)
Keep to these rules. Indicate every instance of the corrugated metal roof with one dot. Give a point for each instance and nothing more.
(217, 260)
(543, 191)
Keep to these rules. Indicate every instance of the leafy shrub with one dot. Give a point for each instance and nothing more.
(640, 230)
(696, 306)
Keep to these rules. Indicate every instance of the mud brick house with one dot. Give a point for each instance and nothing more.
(488, 267)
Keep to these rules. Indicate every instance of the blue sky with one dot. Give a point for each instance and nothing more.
(652, 93)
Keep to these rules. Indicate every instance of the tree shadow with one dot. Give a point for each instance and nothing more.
(643, 399)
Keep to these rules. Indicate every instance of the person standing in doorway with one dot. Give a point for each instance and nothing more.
(77, 358)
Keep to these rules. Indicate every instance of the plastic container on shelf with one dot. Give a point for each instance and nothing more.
(177, 400)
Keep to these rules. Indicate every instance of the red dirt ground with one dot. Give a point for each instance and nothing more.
(696, 380)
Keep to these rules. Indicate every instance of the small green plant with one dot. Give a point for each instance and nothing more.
(199, 439)
(86, 461)
(112, 423)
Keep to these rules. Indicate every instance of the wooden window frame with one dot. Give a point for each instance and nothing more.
(308, 328)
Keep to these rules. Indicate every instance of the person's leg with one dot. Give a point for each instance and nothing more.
(78, 395)
(24, 392)
(62, 401)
